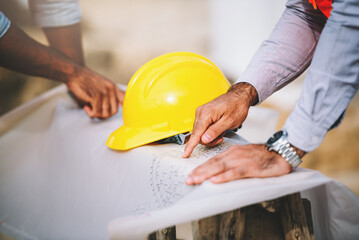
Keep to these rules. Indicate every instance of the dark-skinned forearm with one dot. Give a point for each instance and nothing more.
(67, 40)
(21, 53)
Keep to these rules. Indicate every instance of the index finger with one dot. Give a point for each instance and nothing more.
(210, 168)
(199, 127)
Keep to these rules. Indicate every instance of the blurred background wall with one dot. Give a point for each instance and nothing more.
(119, 36)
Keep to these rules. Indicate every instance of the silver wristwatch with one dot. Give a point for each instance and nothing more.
(279, 143)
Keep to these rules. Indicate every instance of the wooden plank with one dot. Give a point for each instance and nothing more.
(308, 213)
(271, 205)
(232, 225)
(287, 218)
(262, 222)
(164, 234)
(293, 218)
(206, 228)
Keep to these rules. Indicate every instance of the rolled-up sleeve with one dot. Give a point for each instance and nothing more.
(55, 13)
(332, 79)
(4, 24)
(288, 51)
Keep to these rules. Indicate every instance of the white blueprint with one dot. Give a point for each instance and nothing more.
(58, 180)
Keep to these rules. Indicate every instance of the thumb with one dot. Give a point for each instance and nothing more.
(215, 130)
(89, 111)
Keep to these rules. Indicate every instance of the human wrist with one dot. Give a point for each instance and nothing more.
(66, 70)
(245, 90)
(66, 40)
(299, 152)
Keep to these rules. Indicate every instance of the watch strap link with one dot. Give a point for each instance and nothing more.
(287, 152)
(290, 155)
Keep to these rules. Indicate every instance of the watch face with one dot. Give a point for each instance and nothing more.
(275, 137)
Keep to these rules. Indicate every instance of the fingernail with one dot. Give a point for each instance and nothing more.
(206, 138)
(197, 179)
(189, 181)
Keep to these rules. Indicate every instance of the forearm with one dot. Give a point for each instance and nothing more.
(287, 52)
(21, 53)
(67, 40)
(332, 79)
(60, 21)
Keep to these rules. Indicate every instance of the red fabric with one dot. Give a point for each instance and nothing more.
(325, 6)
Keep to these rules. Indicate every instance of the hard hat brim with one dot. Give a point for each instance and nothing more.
(125, 138)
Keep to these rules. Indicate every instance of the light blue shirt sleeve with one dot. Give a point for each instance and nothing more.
(55, 13)
(288, 51)
(4, 24)
(332, 79)
(333, 75)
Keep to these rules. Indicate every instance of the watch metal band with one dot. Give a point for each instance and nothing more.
(288, 153)
(280, 145)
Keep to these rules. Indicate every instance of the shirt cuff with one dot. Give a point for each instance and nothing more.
(303, 133)
(56, 13)
(265, 80)
(4, 24)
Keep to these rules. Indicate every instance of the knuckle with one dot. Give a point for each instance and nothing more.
(98, 111)
(104, 92)
(219, 178)
(215, 129)
(195, 172)
(110, 85)
(98, 96)
(229, 176)
(240, 171)
(114, 110)
(230, 119)
(202, 110)
(105, 114)
(192, 144)
(222, 166)
(199, 111)
(196, 132)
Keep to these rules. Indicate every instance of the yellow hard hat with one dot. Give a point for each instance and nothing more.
(162, 97)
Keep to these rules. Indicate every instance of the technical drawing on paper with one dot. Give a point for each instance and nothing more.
(168, 171)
